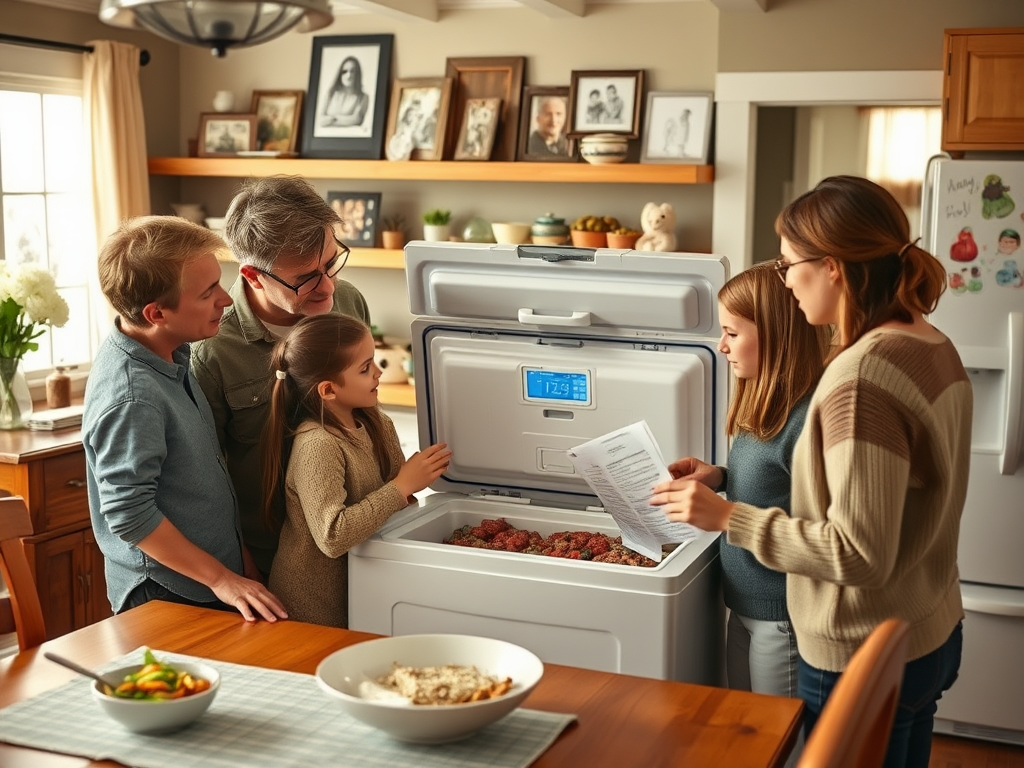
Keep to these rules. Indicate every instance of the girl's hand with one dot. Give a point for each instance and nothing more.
(695, 469)
(423, 468)
(689, 501)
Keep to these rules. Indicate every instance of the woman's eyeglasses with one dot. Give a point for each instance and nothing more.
(307, 286)
(781, 267)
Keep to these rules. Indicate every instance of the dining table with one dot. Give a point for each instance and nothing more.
(621, 720)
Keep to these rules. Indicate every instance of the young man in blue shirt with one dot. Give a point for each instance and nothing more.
(162, 504)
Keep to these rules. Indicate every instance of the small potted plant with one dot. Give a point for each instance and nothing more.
(435, 225)
(392, 232)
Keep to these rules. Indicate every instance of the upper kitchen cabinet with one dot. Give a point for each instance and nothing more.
(983, 89)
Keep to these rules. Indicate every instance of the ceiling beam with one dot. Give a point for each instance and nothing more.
(424, 10)
(557, 9)
(761, 6)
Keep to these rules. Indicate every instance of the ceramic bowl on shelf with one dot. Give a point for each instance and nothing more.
(623, 241)
(515, 232)
(351, 677)
(585, 239)
(604, 148)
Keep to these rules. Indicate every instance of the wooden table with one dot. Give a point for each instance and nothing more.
(622, 720)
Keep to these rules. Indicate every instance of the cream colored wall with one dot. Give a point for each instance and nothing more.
(674, 43)
(834, 35)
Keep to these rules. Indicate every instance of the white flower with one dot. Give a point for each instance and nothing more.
(36, 301)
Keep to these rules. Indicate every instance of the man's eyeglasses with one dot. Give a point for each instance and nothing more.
(781, 267)
(309, 284)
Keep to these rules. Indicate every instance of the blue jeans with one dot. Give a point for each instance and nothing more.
(150, 590)
(924, 680)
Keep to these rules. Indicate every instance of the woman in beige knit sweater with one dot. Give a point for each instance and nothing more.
(345, 475)
(880, 469)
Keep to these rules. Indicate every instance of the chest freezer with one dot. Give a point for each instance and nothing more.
(522, 352)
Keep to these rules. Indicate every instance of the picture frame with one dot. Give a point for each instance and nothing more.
(225, 134)
(347, 99)
(360, 216)
(418, 118)
(278, 115)
(678, 128)
(605, 101)
(478, 128)
(544, 124)
(482, 77)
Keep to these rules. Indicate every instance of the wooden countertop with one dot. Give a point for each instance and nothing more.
(18, 446)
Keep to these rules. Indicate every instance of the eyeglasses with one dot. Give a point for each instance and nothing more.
(781, 267)
(307, 286)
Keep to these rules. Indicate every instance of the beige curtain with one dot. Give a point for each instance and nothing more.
(117, 134)
(900, 141)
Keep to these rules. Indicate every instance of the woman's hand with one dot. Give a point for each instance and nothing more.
(695, 469)
(690, 501)
(423, 468)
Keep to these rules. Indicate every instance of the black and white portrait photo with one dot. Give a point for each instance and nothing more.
(417, 121)
(545, 121)
(479, 126)
(678, 128)
(346, 103)
(605, 102)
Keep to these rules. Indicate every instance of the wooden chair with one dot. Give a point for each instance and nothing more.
(854, 726)
(20, 611)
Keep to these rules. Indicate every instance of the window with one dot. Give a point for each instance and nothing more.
(900, 141)
(46, 198)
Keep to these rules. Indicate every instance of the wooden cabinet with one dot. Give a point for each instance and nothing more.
(48, 470)
(983, 89)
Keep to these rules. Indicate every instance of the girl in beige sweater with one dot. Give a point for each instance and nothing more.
(880, 469)
(336, 458)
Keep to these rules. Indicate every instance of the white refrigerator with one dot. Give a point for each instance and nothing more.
(973, 220)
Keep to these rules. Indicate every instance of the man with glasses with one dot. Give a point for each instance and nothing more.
(283, 234)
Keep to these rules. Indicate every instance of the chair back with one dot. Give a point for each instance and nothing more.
(20, 609)
(855, 723)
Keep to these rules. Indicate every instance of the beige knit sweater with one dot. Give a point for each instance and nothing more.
(879, 482)
(335, 498)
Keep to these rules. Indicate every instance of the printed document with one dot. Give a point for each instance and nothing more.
(621, 468)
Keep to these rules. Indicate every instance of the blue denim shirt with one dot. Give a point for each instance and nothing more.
(151, 453)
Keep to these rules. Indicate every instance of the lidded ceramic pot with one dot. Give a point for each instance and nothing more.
(549, 230)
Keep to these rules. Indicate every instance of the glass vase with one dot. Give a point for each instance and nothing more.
(15, 399)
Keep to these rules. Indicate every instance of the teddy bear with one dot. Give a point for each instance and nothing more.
(659, 225)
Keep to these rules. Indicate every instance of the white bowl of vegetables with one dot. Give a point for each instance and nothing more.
(158, 697)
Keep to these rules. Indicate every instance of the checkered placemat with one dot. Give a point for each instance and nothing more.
(262, 717)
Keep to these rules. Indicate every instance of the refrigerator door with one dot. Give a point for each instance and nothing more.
(974, 228)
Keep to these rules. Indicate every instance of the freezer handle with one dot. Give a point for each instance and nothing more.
(1010, 458)
(529, 317)
(928, 198)
(981, 599)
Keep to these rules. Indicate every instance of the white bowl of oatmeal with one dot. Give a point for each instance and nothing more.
(430, 689)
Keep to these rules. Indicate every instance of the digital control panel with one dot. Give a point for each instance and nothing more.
(546, 385)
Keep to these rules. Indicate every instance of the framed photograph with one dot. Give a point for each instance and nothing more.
(678, 128)
(223, 134)
(542, 130)
(605, 101)
(483, 78)
(277, 120)
(478, 129)
(418, 117)
(360, 216)
(347, 98)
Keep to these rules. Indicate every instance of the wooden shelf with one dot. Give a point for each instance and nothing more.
(397, 394)
(570, 173)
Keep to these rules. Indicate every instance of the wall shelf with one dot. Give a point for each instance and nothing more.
(397, 394)
(571, 173)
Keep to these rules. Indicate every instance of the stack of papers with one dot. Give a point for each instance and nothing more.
(56, 418)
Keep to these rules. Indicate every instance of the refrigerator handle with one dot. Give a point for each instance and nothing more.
(529, 317)
(927, 201)
(1010, 457)
(980, 599)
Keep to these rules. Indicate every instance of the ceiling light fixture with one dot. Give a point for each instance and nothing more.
(217, 24)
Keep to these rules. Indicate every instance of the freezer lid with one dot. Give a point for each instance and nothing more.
(521, 354)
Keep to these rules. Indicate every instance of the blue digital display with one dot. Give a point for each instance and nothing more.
(557, 386)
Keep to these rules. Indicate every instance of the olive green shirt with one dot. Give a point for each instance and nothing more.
(233, 368)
